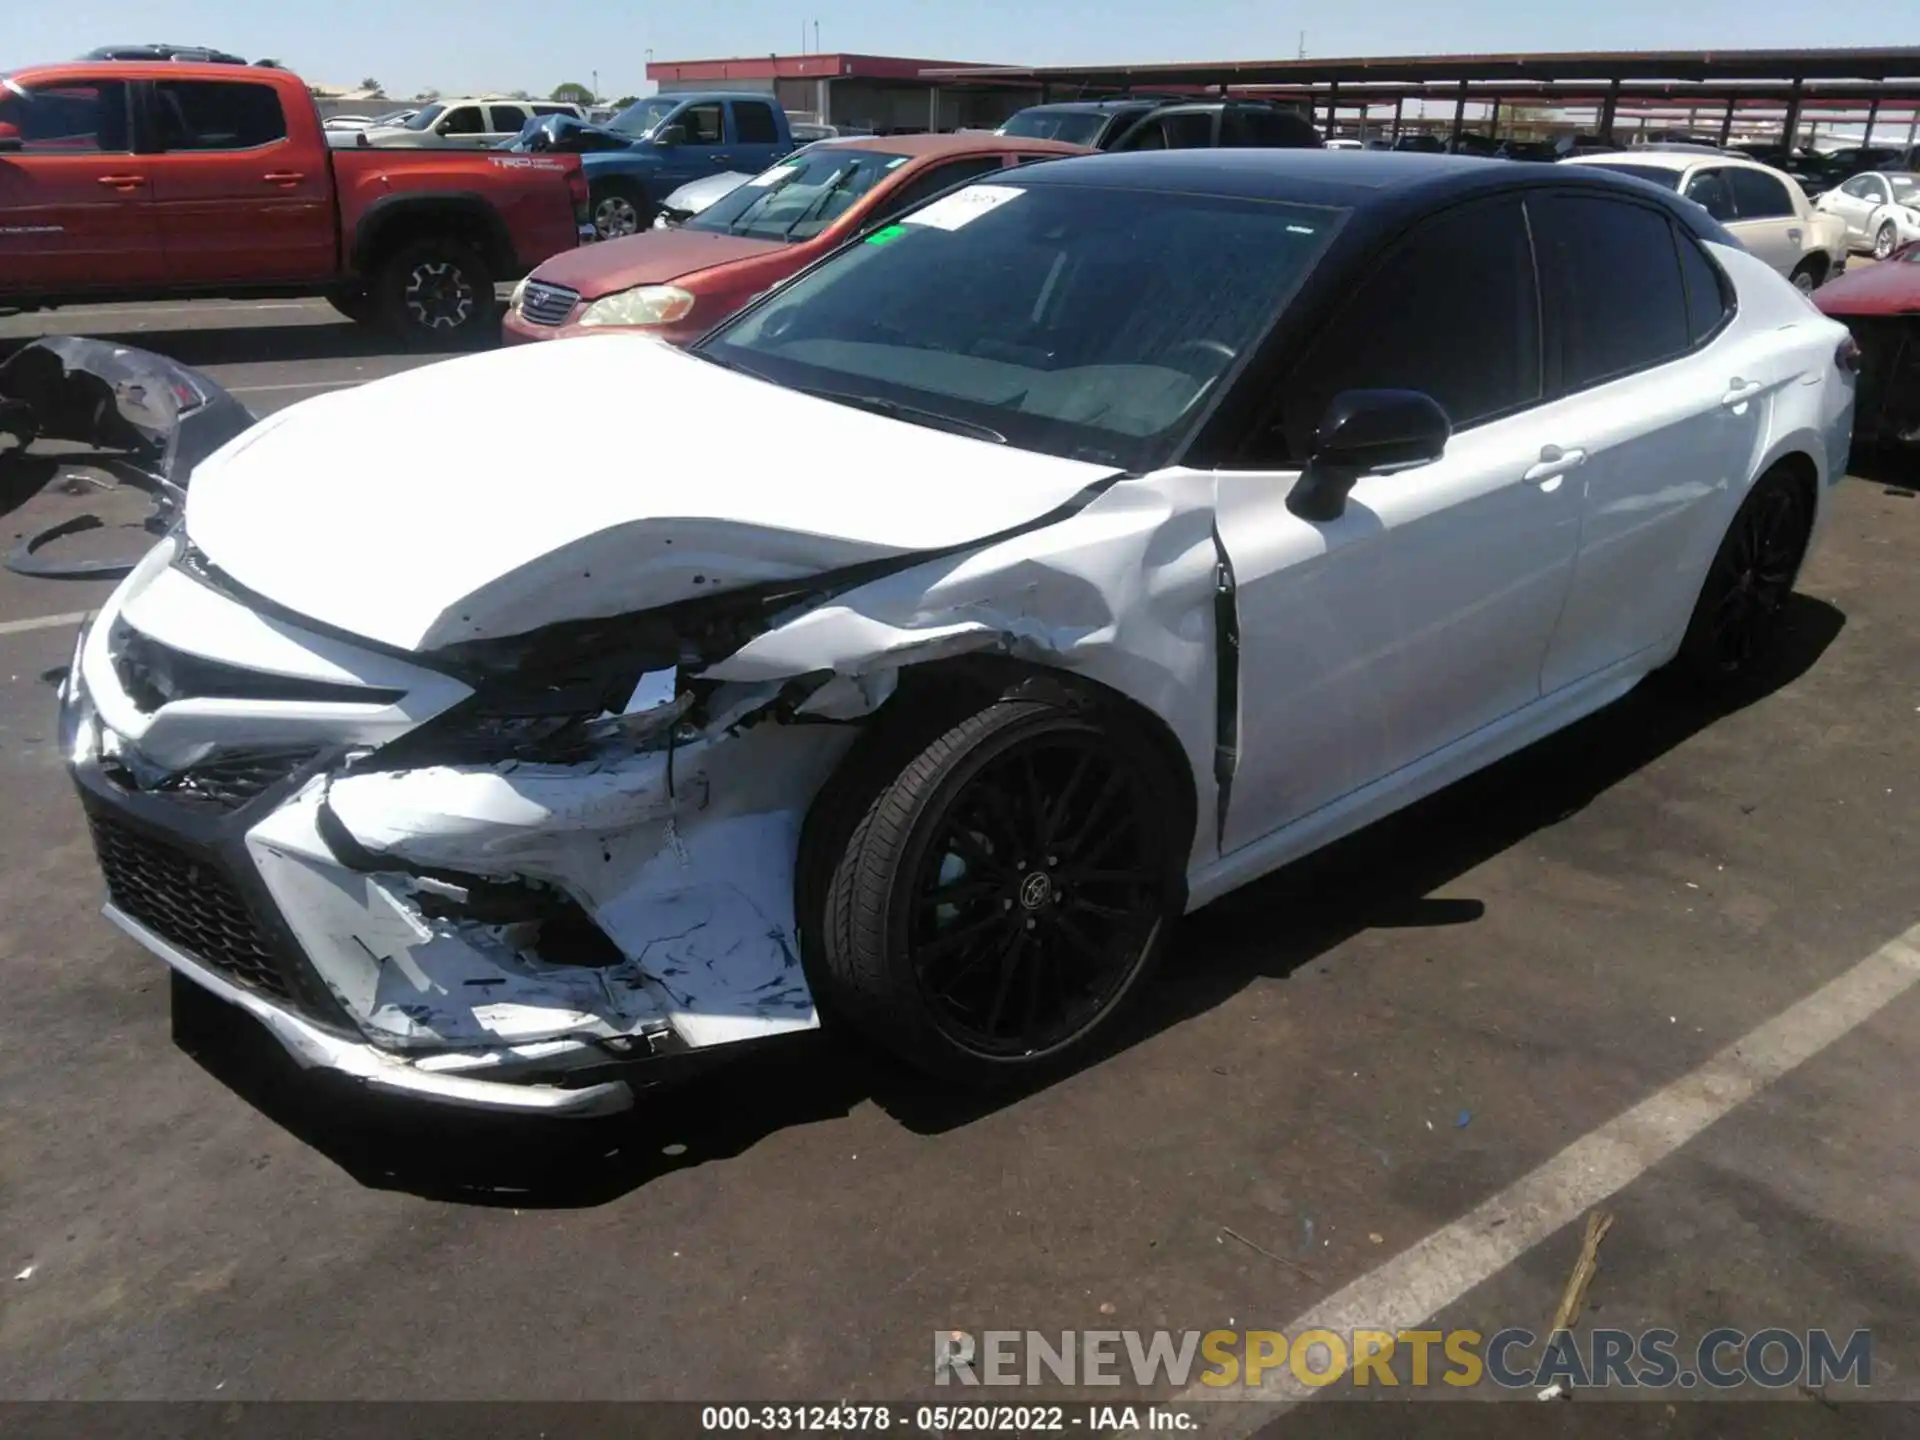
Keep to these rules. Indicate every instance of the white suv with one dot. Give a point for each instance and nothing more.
(487, 120)
(1762, 207)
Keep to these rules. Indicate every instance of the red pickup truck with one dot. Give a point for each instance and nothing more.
(148, 180)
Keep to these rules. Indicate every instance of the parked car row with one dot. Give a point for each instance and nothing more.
(134, 180)
(1090, 539)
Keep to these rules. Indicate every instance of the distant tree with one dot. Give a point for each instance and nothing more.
(572, 93)
(625, 100)
(429, 94)
(372, 86)
(521, 95)
(269, 65)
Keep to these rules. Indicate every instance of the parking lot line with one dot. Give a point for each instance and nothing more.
(42, 622)
(1424, 1280)
(292, 385)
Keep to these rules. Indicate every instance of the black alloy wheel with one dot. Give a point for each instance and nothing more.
(1737, 618)
(1005, 891)
(438, 294)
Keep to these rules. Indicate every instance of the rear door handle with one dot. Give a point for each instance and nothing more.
(1739, 392)
(1554, 462)
(123, 182)
(1794, 235)
(284, 177)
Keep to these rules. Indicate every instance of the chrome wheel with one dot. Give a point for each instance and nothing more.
(1883, 241)
(614, 216)
(439, 296)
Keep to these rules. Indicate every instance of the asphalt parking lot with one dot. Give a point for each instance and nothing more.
(1382, 1087)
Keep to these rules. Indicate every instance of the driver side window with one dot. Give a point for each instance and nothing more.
(1709, 188)
(464, 121)
(1452, 310)
(702, 123)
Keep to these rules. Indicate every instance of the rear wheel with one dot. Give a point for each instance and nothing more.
(1005, 891)
(1736, 621)
(619, 208)
(1885, 239)
(1808, 275)
(437, 293)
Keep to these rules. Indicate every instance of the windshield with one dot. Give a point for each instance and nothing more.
(1074, 127)
(1083, 322)
(423, 119)
(641, 116)
(799, 198)
(1660, 175)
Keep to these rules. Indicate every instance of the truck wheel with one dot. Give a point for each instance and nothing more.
(620, 207)
(437, 294)
(1005, 892)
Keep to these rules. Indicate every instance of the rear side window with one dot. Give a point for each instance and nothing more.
(216, 115)
(754, 123)
(1708, 303)
(1258, 126)
(1709, 188)
(76, 117)
(1757, 196)
(1181, 130)
(1622, 305)
(1452, 310)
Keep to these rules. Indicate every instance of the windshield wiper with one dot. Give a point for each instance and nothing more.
(912, 414)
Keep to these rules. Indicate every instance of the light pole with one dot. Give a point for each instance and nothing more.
(596, 87)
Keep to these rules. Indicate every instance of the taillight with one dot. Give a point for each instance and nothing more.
(577, 188)
(1846, 355)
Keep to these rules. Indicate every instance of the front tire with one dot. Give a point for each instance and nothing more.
(438, 294)
(620, 208)
(1735, 627)
(1885, 240)
(1005, 891)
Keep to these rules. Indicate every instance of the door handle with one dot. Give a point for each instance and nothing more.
(1739, 392)
(1554, 462)
(123, 182)
(284, 177)
(1794, 235)
(722, 159)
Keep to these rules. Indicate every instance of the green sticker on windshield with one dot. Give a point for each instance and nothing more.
(886, 234)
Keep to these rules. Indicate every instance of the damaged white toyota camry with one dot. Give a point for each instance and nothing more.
(1044, 564)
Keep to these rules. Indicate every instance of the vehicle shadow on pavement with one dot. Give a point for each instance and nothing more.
(248, 344)
(1897, 467)
(1379, 878)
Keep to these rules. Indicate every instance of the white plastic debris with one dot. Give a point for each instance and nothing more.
(26, 1274)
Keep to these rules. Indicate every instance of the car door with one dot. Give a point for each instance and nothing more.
(76, 204)
(755, 142)
(1424, 612)
(504, 122)
(1766, 222)
(237, 199)
(702, 149)
(1667, 405)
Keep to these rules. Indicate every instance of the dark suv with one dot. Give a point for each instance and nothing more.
(1166, 125)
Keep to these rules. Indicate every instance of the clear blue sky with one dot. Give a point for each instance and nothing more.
(456, 45)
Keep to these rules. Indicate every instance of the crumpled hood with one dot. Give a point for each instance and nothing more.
(499, 493)
(652, 257)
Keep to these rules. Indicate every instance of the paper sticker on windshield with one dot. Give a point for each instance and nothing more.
(772, 177)
(963, 208)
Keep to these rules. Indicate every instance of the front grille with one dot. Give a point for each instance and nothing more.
(230, 781)
(188, 902)
(545, 304)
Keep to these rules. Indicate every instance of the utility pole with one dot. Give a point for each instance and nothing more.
(816, 37)
(1303, 45)
(596, 87)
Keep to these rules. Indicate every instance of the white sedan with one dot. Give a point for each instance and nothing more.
(1881, 210)
(1074, 551)
(1760, 207)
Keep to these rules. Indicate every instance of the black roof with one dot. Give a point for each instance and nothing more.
(1381, 186)
(1095, 107)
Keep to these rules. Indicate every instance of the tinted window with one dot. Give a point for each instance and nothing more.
(508, 119)
(1758, 196)
(1659, 175)
(799, 197)
(1259, 126)
(702, 124)
(1710, 189)
(931, 182)
(1075, 127)
(79, 117)
(1076, 320)
(1451, 310)
(754, 122)
(1180, 130)
(1622, 305)
(540, 109)
(1707, 300)
(464, 121)
(216, 115)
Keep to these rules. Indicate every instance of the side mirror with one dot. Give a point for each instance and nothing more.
(1365, 431)
(671, 135)
(10, 138)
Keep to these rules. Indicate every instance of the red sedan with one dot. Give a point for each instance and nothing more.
(680, 283)
(1880, 304)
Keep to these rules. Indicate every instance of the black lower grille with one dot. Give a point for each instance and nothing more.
(230, 781)
(188, 902)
